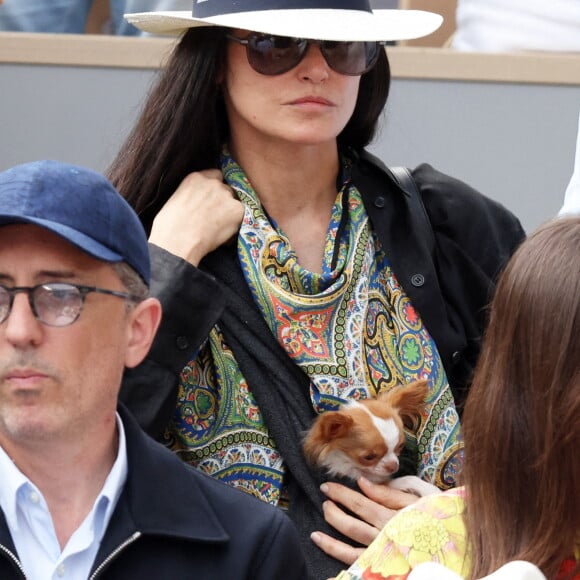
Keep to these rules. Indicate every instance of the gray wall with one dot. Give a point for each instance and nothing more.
(514, 142)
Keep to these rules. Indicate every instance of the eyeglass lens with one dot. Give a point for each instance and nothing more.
(53, 304)
(274, 55)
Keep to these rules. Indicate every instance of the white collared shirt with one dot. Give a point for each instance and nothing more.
(32, 529)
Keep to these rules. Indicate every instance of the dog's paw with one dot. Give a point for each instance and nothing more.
(413, 484)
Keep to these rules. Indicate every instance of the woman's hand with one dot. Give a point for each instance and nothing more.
(200, 216)
(375, 507)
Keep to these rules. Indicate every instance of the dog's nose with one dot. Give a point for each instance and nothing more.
(391, 465)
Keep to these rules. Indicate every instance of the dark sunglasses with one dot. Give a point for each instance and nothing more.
(275, 55)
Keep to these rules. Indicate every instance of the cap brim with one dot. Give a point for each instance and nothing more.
(74, 237)
(322, 24)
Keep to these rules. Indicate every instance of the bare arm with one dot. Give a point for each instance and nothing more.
(375, 506)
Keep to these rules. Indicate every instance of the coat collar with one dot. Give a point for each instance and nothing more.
(162, 496)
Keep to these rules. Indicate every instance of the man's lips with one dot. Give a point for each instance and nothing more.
(24, 377)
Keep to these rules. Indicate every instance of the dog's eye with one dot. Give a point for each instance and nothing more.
(369, 458)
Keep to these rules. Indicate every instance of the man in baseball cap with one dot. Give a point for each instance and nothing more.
(84, 491)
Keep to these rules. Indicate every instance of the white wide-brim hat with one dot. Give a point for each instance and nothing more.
(350, 20)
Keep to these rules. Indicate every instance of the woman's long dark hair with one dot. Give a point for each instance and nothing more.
(183, 123)
(522, 417)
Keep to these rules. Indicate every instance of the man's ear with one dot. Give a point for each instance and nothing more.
(144, 321)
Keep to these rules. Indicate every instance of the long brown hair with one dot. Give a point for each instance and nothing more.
(183, 123)
(522, 417)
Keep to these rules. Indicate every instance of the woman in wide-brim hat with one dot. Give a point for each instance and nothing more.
(295, 270)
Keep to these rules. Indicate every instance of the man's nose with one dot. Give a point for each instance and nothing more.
(21, 328)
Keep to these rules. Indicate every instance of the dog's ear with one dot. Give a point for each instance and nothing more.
(335, 424)
(409, 400)
(327, 427)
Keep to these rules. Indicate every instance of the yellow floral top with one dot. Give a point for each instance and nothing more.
(431, 530)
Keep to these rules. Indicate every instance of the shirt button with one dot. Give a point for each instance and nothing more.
(417, 280)
(34, 498)
(60, 570)
(456, 357)
(182, 342)
(380, 201)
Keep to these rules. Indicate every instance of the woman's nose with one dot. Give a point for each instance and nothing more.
(313, 65)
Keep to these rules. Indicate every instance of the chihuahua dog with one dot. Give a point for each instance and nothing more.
(365, 438)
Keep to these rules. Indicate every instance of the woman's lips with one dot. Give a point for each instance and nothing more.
(312, 100)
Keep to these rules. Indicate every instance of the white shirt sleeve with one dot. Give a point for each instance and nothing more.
(516, 570)
(572, 197)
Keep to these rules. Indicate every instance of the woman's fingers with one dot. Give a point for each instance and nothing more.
(387, 496)
(201, 215)
(358, 516)
(335, 548)
(352, 527)
(371, 511)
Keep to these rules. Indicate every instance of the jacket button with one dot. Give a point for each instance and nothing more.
(380, 201)
(456, 357)
(182, 342)
(418, 280)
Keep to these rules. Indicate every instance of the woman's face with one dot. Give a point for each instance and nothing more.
(308, 105)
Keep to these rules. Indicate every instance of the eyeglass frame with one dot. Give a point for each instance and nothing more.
(82, 289)
(246, 42)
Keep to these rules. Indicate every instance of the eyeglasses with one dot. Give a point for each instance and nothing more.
(54, 304)
(275, 55)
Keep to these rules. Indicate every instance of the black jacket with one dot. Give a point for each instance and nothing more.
(449, 285)
(172, 521)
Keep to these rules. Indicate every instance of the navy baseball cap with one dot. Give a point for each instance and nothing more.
(80, 206)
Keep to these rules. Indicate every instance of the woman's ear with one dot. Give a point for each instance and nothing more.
(144, 321)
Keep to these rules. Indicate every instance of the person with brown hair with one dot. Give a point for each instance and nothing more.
(522, 434)
(296, 271)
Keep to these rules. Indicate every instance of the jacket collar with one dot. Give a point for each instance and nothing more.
(162, 496)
